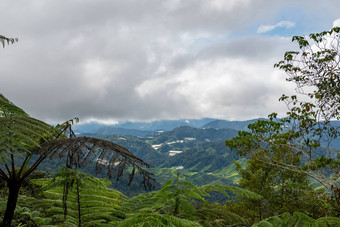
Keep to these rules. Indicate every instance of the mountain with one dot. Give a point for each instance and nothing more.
(237, 125)
(162, 125)
(194, 134)
(206, 157)
(109, 130)
(136, 145)
(86, 127)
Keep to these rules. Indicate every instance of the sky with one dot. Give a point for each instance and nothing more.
(143, 60)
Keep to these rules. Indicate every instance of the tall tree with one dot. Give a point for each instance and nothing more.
(25, 142)
(307, 131)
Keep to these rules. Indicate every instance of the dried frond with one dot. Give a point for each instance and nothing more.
(80, 151)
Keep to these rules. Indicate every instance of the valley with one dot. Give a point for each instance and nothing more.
(198, 153)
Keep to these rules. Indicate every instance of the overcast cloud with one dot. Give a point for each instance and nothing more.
(152, 59)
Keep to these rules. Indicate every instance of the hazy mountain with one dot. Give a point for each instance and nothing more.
(86, 127)
(162, 125)
(194, 134)
(109, 130)
(136, 145)
(205, 157)
(237, 125)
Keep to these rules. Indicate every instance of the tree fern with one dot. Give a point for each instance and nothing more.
(88, 201)
(156, 219)
(22, 136)
(214, 215)
(176, 196)
(233, 189)
(30, 211)
(182, 199)
(297, 219)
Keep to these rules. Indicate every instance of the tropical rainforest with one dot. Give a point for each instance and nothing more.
(278, 171)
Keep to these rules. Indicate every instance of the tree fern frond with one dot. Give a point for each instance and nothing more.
(155, 219)
(106, 216)
(97, 222)
(21, 132)
(21, 135)
(187, 207)
(4, 40)
(87, 203)
(327, 221)
(80, 148)
(212, 215)
(8, 108)
(233, 189)
(298, 219)
(192, 193)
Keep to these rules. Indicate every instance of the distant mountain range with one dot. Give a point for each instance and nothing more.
(136, 127)
(201, 155)
(150, 128)
(237, 125)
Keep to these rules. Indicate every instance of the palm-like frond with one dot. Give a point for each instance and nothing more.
(18, 133)
(8, 108)
(233, 189)
(83, 150)
(88, 199)
(218, 217)
(155, 219)
(4, 40)
(298, 219)
(140, 202)
(21, 135)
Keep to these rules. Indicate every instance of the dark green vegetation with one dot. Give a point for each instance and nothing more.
(26, 142)
(289, 150)
(280, 171)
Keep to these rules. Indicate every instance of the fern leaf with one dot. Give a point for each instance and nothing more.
(233, 189)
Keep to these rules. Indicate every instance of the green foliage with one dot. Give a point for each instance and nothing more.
(30, 211)
(18, 131)
(294, 142)
(207, 157)
(184, 200)
(218, 215)
(156, 219)
(241, 192)
(282, 191)
(176, 197)
(297, 219)
(81, 199)
(21, 137)
(316, 66)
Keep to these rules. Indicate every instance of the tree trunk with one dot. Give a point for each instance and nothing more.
(13, 187)
(78, 203)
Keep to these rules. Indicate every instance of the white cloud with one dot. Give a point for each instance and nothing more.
(151, 59)
(336, 23)
(281, 24)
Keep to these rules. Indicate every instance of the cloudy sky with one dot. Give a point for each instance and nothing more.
(117, 60)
